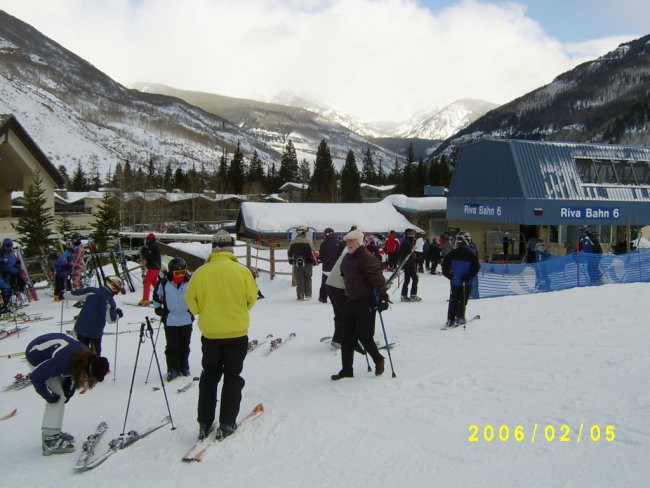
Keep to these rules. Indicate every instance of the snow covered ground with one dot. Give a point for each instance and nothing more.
(575, 358)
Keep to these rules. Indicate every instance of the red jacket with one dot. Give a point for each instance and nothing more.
(391, 244)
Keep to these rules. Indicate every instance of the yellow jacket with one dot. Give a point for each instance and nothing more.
(221, 292)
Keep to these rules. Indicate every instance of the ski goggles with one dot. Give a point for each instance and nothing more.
(178, 273)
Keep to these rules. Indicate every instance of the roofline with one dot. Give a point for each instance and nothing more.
(13, 124)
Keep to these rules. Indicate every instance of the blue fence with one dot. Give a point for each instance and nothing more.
(562, 272)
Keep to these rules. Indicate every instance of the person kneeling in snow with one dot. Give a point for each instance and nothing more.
(60, 365)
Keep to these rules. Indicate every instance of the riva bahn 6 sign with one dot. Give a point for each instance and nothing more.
(586, 213)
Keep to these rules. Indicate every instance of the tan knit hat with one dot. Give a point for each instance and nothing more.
(354, 235)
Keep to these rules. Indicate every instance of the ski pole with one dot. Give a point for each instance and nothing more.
(135, 366)
(367, 362)
(61, 323)
(153, 344)
(117, 323)
(383, 328)
(154, 350)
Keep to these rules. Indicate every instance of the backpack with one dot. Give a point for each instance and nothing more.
(300, 262)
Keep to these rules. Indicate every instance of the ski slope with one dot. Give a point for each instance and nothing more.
(557, 361)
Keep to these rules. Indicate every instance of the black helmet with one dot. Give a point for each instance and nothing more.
(176, 264)
(76, 238)
(328, 232)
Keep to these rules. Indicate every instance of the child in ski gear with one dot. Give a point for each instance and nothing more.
(78, 266)
(329, 251)
(301, 258)
(60, 365)
(150, 253)
(460, 267)
(409, 267)
(98, 308)
(364, 281)
(434, 255)
(170, 306)
(221, 292)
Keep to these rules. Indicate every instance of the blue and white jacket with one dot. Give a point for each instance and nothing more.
(99, 308)
(50, 355)
(460, 266)
(172, 301)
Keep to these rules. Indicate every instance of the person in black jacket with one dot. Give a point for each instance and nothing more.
(410, 273)
(434, 255)
(152, 260)
(365, 289)
(301, 258)
(460, 267)
(329, 251)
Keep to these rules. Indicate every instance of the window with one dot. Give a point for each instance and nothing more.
(618, 172)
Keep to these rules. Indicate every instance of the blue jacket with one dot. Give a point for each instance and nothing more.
(8, 264)
(50, 355)
(172, 301)
(63, 267)
(99, 307)
(460, 266)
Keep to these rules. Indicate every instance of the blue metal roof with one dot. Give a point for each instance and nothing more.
(508, 179)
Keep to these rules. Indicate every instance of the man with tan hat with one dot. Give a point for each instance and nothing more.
(363, 281)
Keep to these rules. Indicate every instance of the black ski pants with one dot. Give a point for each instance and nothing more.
(322, 292)
(221, 357)
(410, 275)
(358, 325)
(458, 297)
(177, 348)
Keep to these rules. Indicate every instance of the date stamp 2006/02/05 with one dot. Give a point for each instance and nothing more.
(541, 432)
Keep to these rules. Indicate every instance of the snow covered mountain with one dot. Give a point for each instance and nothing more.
(78, 114)
(442, 123)
(604, 100)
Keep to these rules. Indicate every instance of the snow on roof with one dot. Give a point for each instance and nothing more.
(378, 187)
(368, 217)
(75, 196)
(419, 204)
(291, 184)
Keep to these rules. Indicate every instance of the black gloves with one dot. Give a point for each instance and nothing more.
(384, 304)
(55, 398)
(158, 311)
(290, 261)
(68, 388)
(119, 313)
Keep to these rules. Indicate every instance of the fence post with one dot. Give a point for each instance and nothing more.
(272, 261)
(248, 254)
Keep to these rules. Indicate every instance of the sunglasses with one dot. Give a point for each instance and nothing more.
(178, 273)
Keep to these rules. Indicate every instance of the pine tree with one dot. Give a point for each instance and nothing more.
(304, 172)
(106, 223)
(420, 178)
(79, 180)
(255, 177)
(395, 175)
(168, 177)
(64, 173)
(368, 172)
(322, 186)
(222, 173)
(236, 171)
(63, 225)
(271, 181)
(34, 225)
(350, 180)
(289, 165)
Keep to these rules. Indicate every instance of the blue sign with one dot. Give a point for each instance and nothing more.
(590, 213)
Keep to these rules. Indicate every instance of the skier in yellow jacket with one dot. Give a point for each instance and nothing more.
(221, 292)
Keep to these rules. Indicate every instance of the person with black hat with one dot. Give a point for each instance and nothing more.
(221, 292)
(60, 365)
(98, 307)
(329, 251)
(170, 306)
(407, 255)
(150, 253)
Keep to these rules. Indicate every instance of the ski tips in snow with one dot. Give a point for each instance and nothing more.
(13, 414)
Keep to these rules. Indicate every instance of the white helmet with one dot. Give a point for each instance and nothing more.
(114, 284)
(464, 238)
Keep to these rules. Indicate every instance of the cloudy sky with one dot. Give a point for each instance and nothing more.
(378, 59)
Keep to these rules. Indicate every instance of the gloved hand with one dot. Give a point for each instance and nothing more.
(119, 313)
(384, 303)
(55, 398)
(158, 311)
(62, 295)
(291, 261)
(68, 388)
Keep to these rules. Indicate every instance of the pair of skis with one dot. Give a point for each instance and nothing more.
(20, 382)
(88, 460)
(456, 324)
(279, 342)
(328, 340)
(183, 388)
(198, 450)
